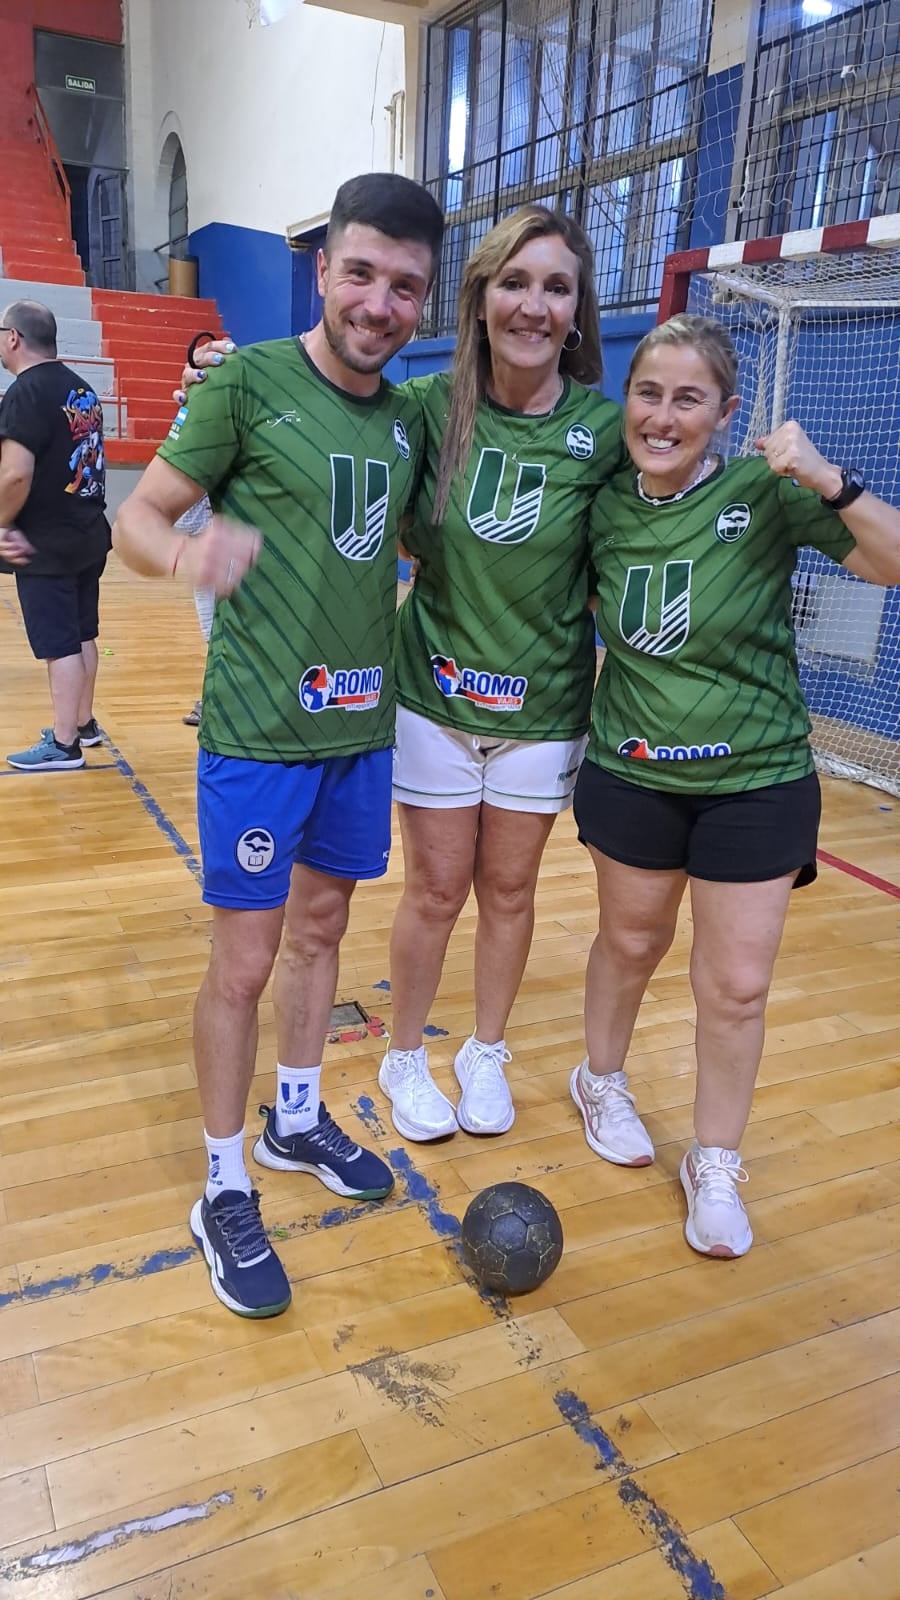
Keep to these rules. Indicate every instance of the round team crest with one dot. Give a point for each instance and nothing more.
(401, 440)
(733, 521)
(580, 442)
(255, 849)
(316, 688)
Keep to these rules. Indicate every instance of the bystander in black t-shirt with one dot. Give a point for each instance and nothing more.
(52, 412)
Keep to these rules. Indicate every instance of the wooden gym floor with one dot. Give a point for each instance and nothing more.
(648, 1425)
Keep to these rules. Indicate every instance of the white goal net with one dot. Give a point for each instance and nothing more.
(818, 337)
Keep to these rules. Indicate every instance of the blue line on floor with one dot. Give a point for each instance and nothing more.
(155, 810)
(165, 1260)
(695, 1575)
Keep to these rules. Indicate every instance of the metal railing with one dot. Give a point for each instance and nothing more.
(38, 120)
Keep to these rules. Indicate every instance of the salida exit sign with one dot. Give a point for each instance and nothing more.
(83, 85)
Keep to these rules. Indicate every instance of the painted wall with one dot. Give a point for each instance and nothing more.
(248, 273)
(271, 120)
(91, 19)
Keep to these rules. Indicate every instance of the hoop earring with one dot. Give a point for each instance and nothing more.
(573, 347)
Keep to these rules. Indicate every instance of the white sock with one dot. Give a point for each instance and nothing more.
(297, 1102)
(226, 1165)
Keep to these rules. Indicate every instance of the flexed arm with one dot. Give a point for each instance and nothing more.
(874, 524)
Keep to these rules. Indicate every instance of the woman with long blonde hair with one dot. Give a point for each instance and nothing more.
(495, 657)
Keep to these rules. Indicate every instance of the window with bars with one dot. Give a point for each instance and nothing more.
(590, 108)
(823, 143)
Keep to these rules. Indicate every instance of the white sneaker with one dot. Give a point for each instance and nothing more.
(486, 1105)
(418, 1108)
(612, 1127)
(717, 1224)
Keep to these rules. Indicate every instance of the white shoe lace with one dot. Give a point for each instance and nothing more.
(410, 1067)
(716, 1180)
(613, 1099)
(486, 1063)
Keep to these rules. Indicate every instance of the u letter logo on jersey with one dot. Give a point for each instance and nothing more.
(674, 611)
(526, 501)
(366, 545)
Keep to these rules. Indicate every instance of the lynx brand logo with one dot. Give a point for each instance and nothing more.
(345, 689)
(366, 545)
(492, 690)
(640, 750)
(733, 521)
(580, 442)
(524, 510)
(401, 439)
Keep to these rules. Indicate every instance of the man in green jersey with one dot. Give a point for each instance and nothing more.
(309, 459)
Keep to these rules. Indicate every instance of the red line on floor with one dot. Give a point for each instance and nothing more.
(860, 873)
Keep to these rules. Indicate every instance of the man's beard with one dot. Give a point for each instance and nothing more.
(338, 345)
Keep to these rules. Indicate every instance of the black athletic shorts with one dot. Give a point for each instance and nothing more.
(749, 837)
(60, 613)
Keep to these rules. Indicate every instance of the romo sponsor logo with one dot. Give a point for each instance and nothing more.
(495, 691)
(733, 521)
(640, 750)
(345, 689)
(255, 849)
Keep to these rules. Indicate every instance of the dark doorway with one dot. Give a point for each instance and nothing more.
(81, 85)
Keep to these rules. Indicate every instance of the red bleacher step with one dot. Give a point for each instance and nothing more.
(36, 272)
(155, 390)
(159, 412)
(152, 430)
(129, 452)
(104, 299)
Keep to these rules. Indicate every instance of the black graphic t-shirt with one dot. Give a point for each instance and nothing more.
(55, 414)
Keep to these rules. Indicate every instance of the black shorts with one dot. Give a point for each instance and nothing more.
(60, 613)
(749, 837)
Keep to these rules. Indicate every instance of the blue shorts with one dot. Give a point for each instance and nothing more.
(257, 818)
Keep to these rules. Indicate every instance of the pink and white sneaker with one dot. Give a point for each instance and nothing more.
(717, 1224)
(612, 1127)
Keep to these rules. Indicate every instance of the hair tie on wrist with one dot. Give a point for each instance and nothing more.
(192, 347)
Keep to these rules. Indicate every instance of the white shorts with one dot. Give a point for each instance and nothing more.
(441, 768)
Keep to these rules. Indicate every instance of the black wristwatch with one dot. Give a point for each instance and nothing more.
(852, 486)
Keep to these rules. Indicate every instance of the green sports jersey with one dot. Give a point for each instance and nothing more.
(299, 664)
(495, 637)
(699, 691)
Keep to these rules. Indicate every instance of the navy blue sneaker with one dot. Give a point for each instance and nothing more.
(244, 1270)
(327, 1153)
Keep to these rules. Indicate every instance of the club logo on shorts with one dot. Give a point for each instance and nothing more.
(345, 689)
(733, 521)
(640, 750)
(492, 690)
(255, 850)
(580, 442)
(401, 439)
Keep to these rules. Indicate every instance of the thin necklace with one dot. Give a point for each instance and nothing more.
(544, 412)
(494, 413)
(670, 499)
